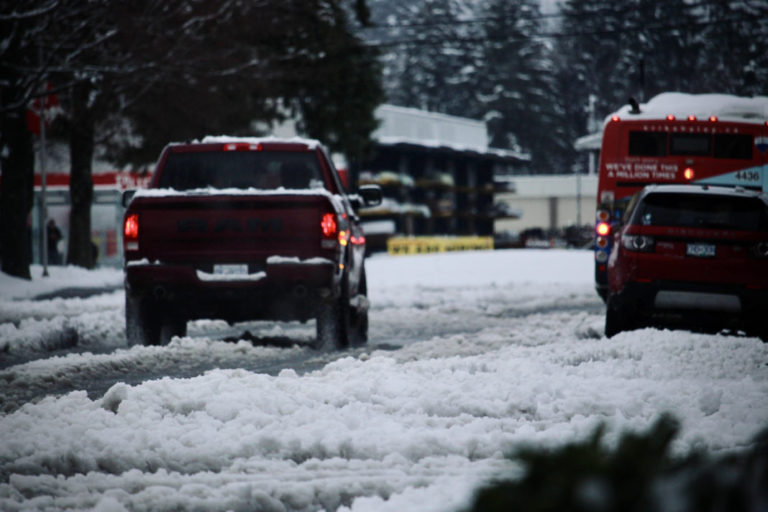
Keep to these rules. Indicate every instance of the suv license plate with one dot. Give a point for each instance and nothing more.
(700, 250)
(231, 269)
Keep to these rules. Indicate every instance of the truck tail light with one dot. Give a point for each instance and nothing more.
(637, 243)
(603, 228)
(329, 225)
(131, 232)
(332, 235)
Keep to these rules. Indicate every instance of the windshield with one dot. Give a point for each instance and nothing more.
(702, 211)
(267, 170)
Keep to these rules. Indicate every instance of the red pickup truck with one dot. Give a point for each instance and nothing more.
(246, 229)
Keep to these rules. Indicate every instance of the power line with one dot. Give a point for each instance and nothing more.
(521, 15)
(438, 41)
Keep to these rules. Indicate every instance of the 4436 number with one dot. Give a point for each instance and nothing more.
(747, 176)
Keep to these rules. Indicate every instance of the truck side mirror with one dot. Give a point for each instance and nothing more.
(371, 195)
(126, 197)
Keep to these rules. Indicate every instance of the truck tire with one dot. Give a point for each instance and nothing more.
(332, 323)
(617, 318)
(142, 324)
(146, 324)
(172, 325)
(358, 315)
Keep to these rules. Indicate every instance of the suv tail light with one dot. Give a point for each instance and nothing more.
(131, 232)
(638, 243)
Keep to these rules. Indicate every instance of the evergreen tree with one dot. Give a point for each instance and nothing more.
(520, 85)
(641, 48)
(437, 69)
(731, 39)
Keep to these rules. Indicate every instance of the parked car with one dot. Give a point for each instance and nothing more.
(246, 229)
(693, 256)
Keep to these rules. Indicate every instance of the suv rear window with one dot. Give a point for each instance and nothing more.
(702, 211)
(266, 170)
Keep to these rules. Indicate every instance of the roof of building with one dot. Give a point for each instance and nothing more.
(422, 129)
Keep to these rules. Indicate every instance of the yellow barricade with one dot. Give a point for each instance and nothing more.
(431, 244)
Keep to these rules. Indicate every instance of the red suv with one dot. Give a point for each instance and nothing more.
(694, 256)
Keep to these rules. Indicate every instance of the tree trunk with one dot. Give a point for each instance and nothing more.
(80, 248)
(17, 159)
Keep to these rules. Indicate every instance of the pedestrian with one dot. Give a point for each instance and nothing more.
(54, 237)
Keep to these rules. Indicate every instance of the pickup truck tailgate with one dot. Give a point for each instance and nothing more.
(230, 228)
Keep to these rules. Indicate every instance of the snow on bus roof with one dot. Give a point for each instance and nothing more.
(226, 139)
(725, 106)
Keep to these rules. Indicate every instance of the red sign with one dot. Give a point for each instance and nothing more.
(47, 106)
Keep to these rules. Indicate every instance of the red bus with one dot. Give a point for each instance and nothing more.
(714, 139)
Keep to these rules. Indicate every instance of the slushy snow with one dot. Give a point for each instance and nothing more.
(498, 350)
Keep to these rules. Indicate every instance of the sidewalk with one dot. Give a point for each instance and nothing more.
(62, 281)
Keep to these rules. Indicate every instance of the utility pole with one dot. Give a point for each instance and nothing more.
(43, 207)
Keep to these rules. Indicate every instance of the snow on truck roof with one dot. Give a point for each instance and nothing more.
(227, 139)
(725, 107)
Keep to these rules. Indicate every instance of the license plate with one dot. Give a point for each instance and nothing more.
(700, 250)
(231, 269)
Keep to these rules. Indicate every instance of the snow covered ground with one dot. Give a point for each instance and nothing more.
(496, 350)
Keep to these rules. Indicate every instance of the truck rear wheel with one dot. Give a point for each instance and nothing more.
(170, 326)
(358, 315)
(147, 324)
(142, 325)
(332, 325)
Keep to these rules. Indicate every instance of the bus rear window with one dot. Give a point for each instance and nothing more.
(728, 145)
(690, 144)
(647, 143)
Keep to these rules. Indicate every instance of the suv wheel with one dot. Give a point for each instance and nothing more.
(758, 328)
(617, 317)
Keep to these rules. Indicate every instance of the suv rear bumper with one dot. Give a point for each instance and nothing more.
(739, 305)
(288, 290)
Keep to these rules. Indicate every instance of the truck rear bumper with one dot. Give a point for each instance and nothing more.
(287, 289)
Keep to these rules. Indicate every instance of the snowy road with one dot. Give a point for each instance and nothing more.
(79, 343)
(471, 355)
